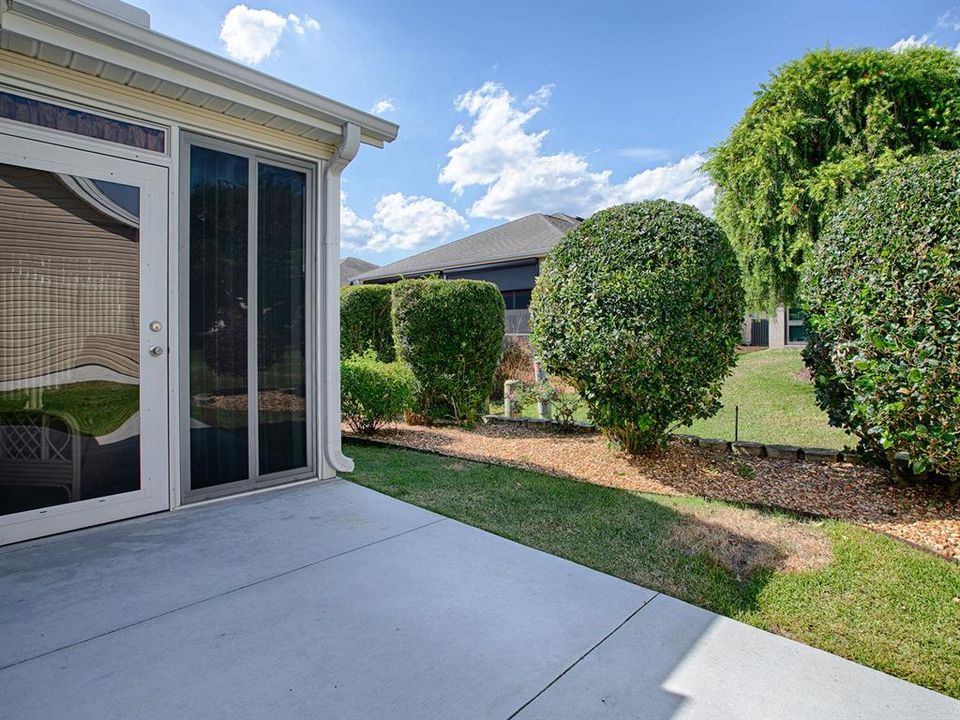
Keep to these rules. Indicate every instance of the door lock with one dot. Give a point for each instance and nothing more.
(156, 351)
(156, 326)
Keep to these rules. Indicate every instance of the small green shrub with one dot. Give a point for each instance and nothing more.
(365, 321)
(640, 308)
(373, 392)
(563, 406)
(883, 296)
(449, 332)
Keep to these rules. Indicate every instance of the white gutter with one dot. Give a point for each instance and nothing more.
(329, 316)
(109, 39)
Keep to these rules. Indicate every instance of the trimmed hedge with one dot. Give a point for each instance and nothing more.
(883, 296)
(639, 308)
(373, 392)
(449, 332)
(365, 321)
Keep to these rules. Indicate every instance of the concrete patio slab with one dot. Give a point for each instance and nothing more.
(66, 589)
(329, 600)
(445, 621)
(674, 660)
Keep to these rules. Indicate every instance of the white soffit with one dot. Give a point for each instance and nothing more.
(79, 37)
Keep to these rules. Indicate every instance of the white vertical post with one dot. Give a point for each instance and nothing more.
(510, 387)
(544, 412)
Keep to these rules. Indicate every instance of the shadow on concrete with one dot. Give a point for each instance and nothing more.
(609, 529)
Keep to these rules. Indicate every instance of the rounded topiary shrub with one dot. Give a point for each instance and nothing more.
(373, 392)
(449, 332)
(883, 295)
(365, 321)
(640, 308)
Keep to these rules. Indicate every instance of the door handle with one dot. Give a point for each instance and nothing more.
(156, 351)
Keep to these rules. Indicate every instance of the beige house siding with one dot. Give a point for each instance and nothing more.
(68, 282)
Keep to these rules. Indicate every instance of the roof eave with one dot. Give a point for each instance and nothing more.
(378, 274)
(147, 51)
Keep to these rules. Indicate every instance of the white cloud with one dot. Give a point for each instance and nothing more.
(645, 154)
(541, 97)
(681, 181)
(498, 154)
(251, 35)
(909, 43)
(496, 139)
(399, 221)
(950, 20)
(383, 105)
(354, 230)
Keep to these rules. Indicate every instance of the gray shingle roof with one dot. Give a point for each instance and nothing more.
(526, 237)
(350, 267)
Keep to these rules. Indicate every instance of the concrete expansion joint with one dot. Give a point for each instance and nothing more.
(582, 657)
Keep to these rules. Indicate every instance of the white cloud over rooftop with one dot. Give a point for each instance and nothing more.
(251, 35)
(498, 153)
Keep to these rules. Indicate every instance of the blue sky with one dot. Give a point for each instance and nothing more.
(508, 108)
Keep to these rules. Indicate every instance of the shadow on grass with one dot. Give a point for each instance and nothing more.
(864, 496)
(609, 529)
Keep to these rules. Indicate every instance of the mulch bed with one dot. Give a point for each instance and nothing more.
(853, 493)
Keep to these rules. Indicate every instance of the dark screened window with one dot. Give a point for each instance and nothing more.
(796, 327)
(219, 446)
(249, 319)
(517, 299)
(79, 122)
(281, 318)
(797, 333)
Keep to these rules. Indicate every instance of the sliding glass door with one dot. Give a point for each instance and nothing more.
(248, 319)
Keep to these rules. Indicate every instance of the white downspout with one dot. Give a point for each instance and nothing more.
(329, 301)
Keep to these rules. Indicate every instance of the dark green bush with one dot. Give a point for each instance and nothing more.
(365, 321)
(449, 332)
(639, 308)
(883, 295)
(373, 392)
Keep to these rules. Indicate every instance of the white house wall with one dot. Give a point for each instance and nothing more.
(35, 78)
(77, 88)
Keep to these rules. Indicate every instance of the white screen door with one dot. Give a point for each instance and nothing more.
(83, 339)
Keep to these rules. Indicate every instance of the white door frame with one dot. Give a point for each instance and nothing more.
(153, 495)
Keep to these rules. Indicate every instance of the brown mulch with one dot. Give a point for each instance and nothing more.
(267, 400)
(853, 493)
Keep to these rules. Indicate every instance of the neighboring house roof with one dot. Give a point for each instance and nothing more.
(350, 267)
(527, 237)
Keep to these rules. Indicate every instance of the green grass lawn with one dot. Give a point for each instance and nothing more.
(98, 407)
(776, 407)
(879, 602)
(530, 409)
